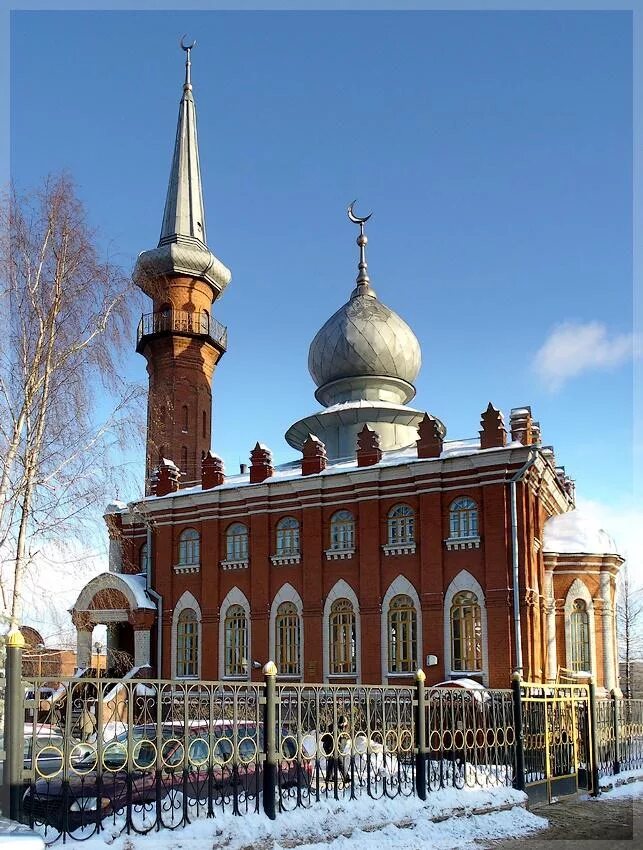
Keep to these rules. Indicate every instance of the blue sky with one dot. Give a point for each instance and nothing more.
(494, 149)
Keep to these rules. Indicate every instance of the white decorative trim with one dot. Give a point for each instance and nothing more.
(280, 560)
(609, 661)
(537, 544)
(115, 557)
(462, 543)
(339, 554)
(186, 600)
(400, 585)
(550, 618)
(187, 568)
(399, 548)
(105, 581)
(235, 565)
(234, 597)
(342, 590)
(286, 593)
(465, 581)
(579, 590)
(142, 648)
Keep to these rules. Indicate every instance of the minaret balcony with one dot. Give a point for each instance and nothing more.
(197, 323)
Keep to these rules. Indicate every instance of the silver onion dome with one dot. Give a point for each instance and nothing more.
(364, 346)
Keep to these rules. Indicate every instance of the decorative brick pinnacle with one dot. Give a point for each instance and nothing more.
(493, 434)
(368, 447)
(430, 441)
(260, 464)
(212, 471)
(165, 478)
(314, 456)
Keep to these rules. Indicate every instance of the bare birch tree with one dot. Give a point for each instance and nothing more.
(63, 404)
(630, 626)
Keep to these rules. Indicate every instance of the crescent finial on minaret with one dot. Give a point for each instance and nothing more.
(187, 48)
(363, 281)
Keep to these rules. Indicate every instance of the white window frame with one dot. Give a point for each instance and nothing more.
(342, 590)
(186, 600)
(400, 586)
(579, 590)
(234, 597)
(286, 593)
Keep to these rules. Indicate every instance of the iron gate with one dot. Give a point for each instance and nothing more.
(557, 735)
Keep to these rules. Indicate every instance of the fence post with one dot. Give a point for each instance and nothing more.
(617, 733)
(420, 735)
(519, 777)
(270, 728)
(593, 739)
(14, 723)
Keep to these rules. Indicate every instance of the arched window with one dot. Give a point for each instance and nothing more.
(579, 621)
(184, 415)
(342, 530)
(205, 322)
(401, 525)
(184, 459)
(466, 633)
(189, 547)
(143, 558)
(402, 635)
(342, 638)
(287, 639)
(236, 539)
(204, 417)
(187, 644)
(236, 642)
(463, 518)
(288, 536)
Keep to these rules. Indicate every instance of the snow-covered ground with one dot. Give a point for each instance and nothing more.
(628, 788)
(366, 824)
(618, 779)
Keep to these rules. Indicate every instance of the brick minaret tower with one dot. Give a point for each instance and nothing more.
(180, 339)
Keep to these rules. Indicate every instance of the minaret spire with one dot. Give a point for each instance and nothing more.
(363, 281)
(184, 215)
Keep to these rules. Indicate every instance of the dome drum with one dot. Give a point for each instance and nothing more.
(370, 387)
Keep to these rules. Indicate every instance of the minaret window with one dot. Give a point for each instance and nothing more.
(189, 548)
(185, 418)
(204, 319)
(205, 424)
(184, 459)
(401, 526)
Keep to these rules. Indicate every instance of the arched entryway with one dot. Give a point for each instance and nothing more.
(121, 603)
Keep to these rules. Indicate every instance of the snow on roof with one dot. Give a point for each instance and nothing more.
(576, 532)
(138, 586)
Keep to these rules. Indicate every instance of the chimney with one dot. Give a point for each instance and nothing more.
(260, 464)
(368, 447)
(520, 423)
(212, 471)
(431, 436)
(165, 478)
(243, 468)
(493, 434)
(314, 456)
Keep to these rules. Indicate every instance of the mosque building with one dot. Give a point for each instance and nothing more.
(383, 549)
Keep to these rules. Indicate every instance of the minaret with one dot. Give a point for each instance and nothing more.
(180, 339)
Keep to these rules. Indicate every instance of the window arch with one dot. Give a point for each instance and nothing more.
(402, 635)
(579, 624)
(463, 518)
(342, 531)
(186, 637)
(187, 644)
(184, 414)
(287, 639)
(287, 536)
(204, 424)
(184, 459)
(466, 633)
(189, 547)
(401, 526)
(144, 558)
(235, 629)
(237, 542)
(466, 644)
(342, 647)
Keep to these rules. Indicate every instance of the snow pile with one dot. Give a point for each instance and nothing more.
(627, 789)
(368, 823)
(576, 532)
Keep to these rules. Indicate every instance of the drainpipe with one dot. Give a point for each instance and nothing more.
(156, 597)
(531, 460)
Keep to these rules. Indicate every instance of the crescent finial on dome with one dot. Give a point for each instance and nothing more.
(363, 280)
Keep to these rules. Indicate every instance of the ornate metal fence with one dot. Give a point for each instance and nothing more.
(619, 735)
(136, 755)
